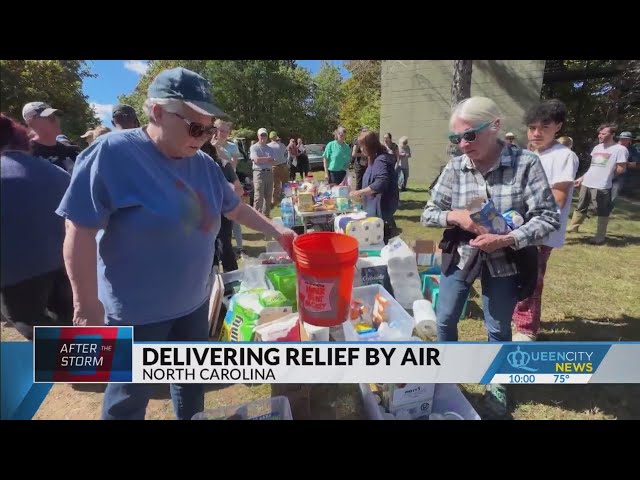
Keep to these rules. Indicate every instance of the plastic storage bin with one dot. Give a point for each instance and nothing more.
(398, 316)
(447, 398)
(276, 408)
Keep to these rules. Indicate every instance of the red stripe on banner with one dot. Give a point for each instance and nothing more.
(108, 336)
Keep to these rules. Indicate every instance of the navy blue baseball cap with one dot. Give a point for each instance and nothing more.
(182, 84)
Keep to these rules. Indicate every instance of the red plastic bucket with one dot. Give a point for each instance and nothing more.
(325, 263)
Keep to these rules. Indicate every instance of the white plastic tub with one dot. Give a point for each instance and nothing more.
(447, 398)
(275, 408)
(399, 319)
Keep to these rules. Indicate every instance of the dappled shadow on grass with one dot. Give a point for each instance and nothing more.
(160, 391)
(407, 218)
(253, 237)
(416, 190)
(619, 401)
(577, 329)
(613, 240)
(411, 205)
(477, 400)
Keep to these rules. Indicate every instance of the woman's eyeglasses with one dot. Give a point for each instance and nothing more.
(469, 135)
(196, 129)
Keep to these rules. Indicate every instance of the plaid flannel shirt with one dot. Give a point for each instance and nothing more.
(516, 182)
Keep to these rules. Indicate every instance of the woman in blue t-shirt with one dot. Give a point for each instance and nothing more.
(153, 202)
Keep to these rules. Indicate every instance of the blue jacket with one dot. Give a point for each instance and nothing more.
(382, 177)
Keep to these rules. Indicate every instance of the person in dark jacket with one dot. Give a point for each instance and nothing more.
(380, 191)
(35, 289)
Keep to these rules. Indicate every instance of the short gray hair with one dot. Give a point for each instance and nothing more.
(219, 122)
(172, 105)
(476, 111)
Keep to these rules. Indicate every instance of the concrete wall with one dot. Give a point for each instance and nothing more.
(416, 96)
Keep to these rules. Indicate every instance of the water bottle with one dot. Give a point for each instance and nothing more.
(288, 214)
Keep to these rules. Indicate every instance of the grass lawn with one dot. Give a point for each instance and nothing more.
(591, 294)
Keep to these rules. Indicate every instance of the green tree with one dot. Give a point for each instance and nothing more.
(327, 96)
(262, 93)
(253, 93)
(56, 82)
(139, 95)
(594, 91)
(361, 93)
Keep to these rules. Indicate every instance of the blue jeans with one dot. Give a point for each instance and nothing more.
(499, 297)
(128, 401)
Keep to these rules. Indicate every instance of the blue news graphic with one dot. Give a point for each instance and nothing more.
(20, 396)
(549, 358)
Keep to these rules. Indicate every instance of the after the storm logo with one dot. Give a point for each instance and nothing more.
(83, 354)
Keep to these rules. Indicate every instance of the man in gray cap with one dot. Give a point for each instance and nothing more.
(124, 117)
(625, 139)
(157, 201)
(44, 122)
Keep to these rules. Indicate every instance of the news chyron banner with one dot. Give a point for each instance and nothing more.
(109, 354)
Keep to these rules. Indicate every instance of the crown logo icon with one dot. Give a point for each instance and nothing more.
(520, 360)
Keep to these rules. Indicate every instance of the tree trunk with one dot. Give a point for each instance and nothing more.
(460, 89)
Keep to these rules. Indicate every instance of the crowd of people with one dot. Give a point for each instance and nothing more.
(131, 229)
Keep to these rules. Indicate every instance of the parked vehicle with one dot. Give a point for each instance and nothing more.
(314, 152)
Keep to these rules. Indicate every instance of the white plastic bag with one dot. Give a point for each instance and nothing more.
(403, 272)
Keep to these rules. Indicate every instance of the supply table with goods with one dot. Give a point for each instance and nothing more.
(342, 285)
(314, 204)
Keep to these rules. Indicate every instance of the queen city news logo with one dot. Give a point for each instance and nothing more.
(552, 358)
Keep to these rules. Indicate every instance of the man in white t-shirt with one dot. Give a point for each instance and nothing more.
(608, 159)
(560, 164)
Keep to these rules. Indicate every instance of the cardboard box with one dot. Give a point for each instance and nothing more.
(414, 411)
(424, 250)
(403, 394)
(283, 327)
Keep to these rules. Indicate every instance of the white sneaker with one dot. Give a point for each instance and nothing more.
(523, 337)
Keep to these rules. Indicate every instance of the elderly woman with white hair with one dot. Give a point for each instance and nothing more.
(153, 202)
(514, 180)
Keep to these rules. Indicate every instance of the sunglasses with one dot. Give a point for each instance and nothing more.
(197, 130)
(469, 135)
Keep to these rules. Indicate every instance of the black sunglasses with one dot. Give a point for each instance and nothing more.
(196, 129)
(468, 135)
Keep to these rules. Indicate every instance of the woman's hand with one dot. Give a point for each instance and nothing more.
(355, 194)
(462, 218)
(285, 239)
(490, 242)
(89, 314)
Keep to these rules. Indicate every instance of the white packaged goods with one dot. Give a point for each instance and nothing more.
(403, 272)
(425, 318)
(399, 327)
